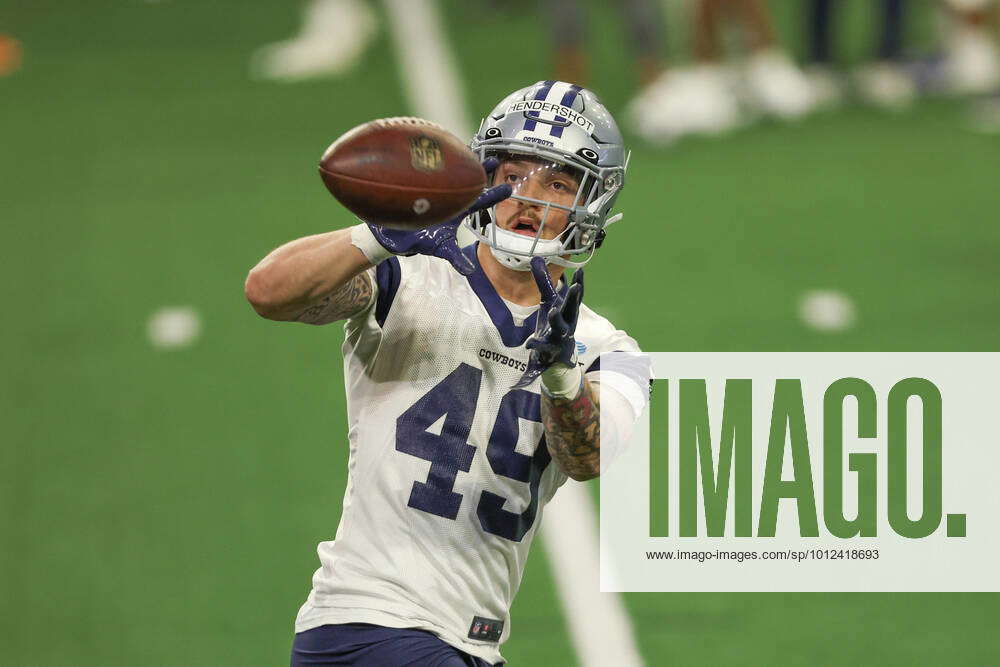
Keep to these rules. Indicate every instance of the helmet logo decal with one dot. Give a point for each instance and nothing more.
(531, 139)
(567, 101)
(425, 154)
(543, 92)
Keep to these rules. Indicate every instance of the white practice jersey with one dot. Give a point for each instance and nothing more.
(448, 468)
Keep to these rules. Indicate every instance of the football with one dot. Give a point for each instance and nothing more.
(405, 173)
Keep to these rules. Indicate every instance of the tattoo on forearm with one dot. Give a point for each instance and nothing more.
(573, 431)
(342, 302)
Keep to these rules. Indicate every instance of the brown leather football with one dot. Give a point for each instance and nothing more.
(406, 173)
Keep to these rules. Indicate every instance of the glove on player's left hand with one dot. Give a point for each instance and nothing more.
(553, 341)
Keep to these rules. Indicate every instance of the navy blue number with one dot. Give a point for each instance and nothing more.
(509, 463)
(453, 398)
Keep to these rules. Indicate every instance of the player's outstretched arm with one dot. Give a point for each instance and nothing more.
(320, 279)
(317, 280)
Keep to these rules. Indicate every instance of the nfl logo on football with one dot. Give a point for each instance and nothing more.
(425, 154)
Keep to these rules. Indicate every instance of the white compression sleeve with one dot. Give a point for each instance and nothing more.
(363, 239)
(617, 420)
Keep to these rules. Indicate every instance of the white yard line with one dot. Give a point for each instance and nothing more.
(598, 623)
(433, 86)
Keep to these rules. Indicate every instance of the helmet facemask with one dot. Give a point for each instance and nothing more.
(549, 191)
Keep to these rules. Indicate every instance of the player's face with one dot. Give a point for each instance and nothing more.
(540, 180)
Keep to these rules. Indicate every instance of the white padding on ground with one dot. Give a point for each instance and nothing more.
(827, 310)
(173, 327)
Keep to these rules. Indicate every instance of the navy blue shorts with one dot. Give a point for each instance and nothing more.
(376, 646)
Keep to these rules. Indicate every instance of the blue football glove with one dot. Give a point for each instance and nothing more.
(553, 341)
(439, 240)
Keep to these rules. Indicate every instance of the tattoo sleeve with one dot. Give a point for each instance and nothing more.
(573, 431)
(341, 303)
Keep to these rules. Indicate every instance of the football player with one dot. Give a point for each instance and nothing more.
(474, 386)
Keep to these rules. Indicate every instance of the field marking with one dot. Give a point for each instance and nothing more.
(173, 327)
(430, 77)
(827, 310)
(599, 626)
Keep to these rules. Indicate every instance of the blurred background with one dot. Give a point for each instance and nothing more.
(806, 175)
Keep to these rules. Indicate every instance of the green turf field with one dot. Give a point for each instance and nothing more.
(162, 507)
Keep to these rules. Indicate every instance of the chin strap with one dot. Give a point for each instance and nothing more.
(598, 204)
(517, 262)
(510, 241)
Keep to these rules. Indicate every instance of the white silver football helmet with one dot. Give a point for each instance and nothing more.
(555, 127)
